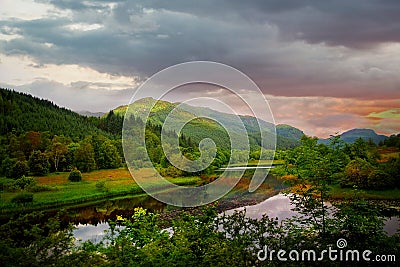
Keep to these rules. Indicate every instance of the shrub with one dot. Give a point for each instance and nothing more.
(101, 186)
(75, 176)
(24, 182)
(22, 198)
(380, 180)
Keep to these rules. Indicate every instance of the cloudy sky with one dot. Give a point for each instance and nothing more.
(324, 66)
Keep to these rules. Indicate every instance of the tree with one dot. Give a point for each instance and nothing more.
(310, 169)
(20, 169)
(108, 156)
(84, 157)
(39, 163)
(31, 141)
(58, 151)
(7, 167)
(356, 173)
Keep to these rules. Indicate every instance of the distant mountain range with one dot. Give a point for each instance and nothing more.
(90, 114)
(352, 135)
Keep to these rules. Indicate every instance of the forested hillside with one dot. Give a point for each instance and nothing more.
(20, 113)
(286, 136)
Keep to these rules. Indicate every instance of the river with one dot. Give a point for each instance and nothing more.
(278, 206)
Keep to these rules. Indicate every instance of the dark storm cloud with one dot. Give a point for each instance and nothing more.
(268, 40)
(356, 23)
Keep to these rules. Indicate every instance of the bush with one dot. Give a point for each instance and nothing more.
(75, 176)
(380, 180)
(22, 198)
(24, 182)
(101, 186)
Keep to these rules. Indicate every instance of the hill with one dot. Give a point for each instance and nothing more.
(206, 126)
(288, 131)
(352, 135)
(20, 113)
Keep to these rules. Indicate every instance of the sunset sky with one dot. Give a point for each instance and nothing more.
(324, 66)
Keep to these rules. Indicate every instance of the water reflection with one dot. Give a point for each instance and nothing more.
(279, 206)
(108, 210)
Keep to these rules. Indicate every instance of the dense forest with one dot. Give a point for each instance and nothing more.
(37, 137)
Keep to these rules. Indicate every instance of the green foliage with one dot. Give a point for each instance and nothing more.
(105, 153)
(380, 180)
(84, 158)
(75, 176)
(22, 113)
(24, 182)
(392, 141)
(101, 186)
(36, 240)
(23, 198)
(14, 168)
(20, 169)
(205, 239)
(39, 163)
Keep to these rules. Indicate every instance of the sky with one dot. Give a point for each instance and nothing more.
(324, 66)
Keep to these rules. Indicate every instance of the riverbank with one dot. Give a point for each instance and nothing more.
(58, 192)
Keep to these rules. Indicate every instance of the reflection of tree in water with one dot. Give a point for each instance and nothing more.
(109, 209)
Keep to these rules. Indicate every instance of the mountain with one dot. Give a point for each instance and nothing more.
(90, 114)
(366, 134)
(20, 113)
(352, 135)
(288, 131)
(206, 126)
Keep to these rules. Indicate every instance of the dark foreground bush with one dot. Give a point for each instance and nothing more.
(75, 176)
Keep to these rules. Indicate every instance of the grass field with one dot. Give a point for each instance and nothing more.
(116, 182)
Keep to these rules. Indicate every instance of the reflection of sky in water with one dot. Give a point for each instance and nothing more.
(89, 232)
(392, 225)
(276, 206)
(279, 206)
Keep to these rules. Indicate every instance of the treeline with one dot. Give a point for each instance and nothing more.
(392, 141)
(358, 165)
(157, 152)
(38, 153)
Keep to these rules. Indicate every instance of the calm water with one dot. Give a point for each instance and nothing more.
(277, 206)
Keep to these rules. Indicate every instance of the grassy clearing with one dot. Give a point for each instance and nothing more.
(117, 182)
(340, 193)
